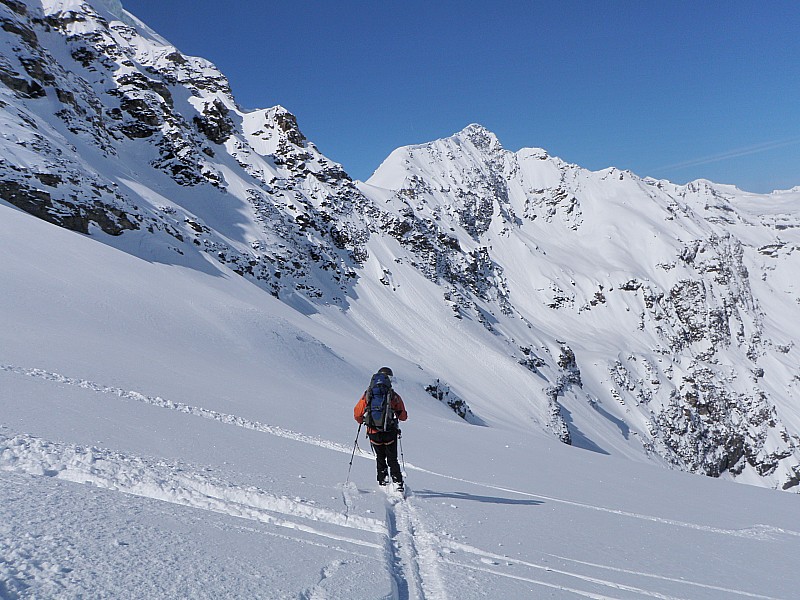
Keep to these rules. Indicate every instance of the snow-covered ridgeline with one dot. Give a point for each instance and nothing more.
(664, 306)
(109, 126)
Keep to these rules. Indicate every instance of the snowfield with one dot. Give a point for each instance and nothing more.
(176, 433)
(193, 298)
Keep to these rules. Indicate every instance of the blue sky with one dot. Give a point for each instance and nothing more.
(675, 90)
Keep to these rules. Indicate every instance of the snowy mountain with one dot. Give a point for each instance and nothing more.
(661, 313)
(624, 315)
(194, 297)
(110, 128)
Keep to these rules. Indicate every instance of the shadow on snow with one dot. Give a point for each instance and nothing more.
(475, 498)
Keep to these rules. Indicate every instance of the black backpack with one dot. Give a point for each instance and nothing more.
(379, 414)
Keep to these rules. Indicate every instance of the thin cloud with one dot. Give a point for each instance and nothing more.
(755, 149)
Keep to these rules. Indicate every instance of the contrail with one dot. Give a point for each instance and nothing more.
(755, 149)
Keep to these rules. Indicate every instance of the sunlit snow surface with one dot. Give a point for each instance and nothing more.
(173, 433)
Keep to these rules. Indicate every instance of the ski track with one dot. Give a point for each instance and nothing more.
(496, 559)
(398, 571)
(758, 531)
(171, 482)
(411, 553)
(585, 594)
(663, 578)
(177, 406)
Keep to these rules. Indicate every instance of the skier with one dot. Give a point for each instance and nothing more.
(383, 435)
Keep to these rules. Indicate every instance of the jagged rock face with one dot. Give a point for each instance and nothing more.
(657, 318)
(110, 127)
(646, 299)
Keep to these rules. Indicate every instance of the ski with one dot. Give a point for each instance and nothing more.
(395, 490)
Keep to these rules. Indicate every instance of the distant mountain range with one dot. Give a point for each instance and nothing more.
(623, 315)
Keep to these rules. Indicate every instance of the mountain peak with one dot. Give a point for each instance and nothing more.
(474, 128)
(479, 136)
(287, 123)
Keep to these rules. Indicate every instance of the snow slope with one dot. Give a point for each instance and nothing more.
(180, 358)
(179, 433)
(622, 315)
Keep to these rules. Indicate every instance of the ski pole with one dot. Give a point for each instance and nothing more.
(402, 458)
(352, 456)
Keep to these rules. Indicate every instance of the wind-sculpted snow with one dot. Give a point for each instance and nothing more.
(171, 483)
(63, 574)
(414, 555)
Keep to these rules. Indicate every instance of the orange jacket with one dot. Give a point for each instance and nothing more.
(396, 405)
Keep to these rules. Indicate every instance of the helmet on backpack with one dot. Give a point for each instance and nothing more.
(386, 371)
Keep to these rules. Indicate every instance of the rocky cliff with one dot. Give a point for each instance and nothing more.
(109, 127)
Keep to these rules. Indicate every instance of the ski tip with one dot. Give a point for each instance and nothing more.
(396, 491)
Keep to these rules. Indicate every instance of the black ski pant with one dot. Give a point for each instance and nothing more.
(384, 444)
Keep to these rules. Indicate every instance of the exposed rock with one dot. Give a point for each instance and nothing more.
(215, 123)
(442, 392)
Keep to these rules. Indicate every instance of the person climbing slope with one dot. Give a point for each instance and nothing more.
(380, 408)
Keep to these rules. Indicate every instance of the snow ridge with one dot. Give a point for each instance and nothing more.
(174, 483)
(177, 406)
